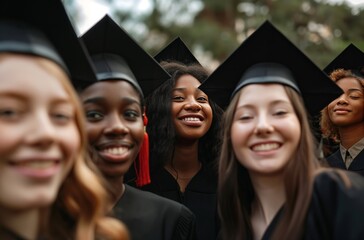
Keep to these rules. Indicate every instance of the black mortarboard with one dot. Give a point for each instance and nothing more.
(178, 51)
(117, 56)
(42, 28)
(286, 64)
(351, 58)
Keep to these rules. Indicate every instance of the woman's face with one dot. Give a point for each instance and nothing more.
(265, 130)
(348, 109)
(114, 125)
(191, 111)
(39, 137)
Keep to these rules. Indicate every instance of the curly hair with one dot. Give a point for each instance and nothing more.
(328, 129)
(161, 129)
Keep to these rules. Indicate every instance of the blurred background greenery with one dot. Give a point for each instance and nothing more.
(214, 28)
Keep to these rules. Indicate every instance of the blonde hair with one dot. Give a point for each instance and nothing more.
(79, 211)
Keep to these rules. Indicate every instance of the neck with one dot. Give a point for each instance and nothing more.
(23, 223)
(116, 188)
(185, 155)
(269, 196)
(351, 134)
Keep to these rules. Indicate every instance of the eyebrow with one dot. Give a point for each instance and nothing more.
(26, 98)
(96, 100)
(184, 89)
(354, 90)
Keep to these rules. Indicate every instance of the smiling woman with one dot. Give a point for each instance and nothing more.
(270, 183)
(114, 106)
(47, 189)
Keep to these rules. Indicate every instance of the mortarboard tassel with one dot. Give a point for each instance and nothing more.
(142, 168)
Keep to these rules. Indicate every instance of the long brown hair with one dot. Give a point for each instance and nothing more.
(79, 211)
(235, 191)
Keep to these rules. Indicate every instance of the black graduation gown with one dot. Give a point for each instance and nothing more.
(335, 160)
(199, 197)
(335, 212)
(151, 217)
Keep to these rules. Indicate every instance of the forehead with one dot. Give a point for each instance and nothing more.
(187, 81)
(33, 74)
(350, 82)
(110, 89)
(262, 92)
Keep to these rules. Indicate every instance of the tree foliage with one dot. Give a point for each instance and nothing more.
(215, 28)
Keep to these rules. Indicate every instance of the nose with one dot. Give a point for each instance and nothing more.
(193, 105)
(43, 131)
(115, 126)
(342, 100)
(263, 126)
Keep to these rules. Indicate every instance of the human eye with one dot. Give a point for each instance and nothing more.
(202, 99)
(177, 98)
(94, 116)
(9, 113)
(354, 96)
(280, 112)
(62, 117)
(132, 114)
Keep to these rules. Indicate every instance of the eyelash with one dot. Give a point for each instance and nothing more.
(90, 116)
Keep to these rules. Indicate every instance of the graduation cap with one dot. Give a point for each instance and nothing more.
(177, 50)
(42, 28)
(351, 58)
(283, 62)
(117, 56)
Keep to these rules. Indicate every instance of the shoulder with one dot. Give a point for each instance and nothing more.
(154, 201)
(335, 186)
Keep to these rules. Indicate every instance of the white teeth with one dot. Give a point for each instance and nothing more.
(192, 119)
(37, 164)
(266, 147)
(116, 150)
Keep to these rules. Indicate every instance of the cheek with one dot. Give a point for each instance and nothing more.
(238, 137)
(138, 132)
(71, 141)
(10, 139)
(209, 114)
(93, 132)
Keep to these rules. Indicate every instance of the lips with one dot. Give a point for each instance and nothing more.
(192, 120)
(114, 152)
(264, 147)
(341, 110)
(39, 168)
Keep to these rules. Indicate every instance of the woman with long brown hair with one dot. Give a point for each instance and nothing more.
(270, 182)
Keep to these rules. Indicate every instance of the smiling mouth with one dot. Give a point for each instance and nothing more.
(115, 150)
(265, 147)
(36, 164)
(192, 119)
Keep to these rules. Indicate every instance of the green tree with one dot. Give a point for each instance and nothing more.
(215, 28)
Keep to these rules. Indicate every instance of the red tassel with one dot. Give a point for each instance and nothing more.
(142, 169)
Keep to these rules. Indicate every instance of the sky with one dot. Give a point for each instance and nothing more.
(93, 10)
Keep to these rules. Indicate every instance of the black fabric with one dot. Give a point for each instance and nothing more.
(199, 196)
(151, 217)
(268, 45)
(178, 51)
(336, 210)
(105, 40)
(357, 165)
(42, 28)
(350, 58)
